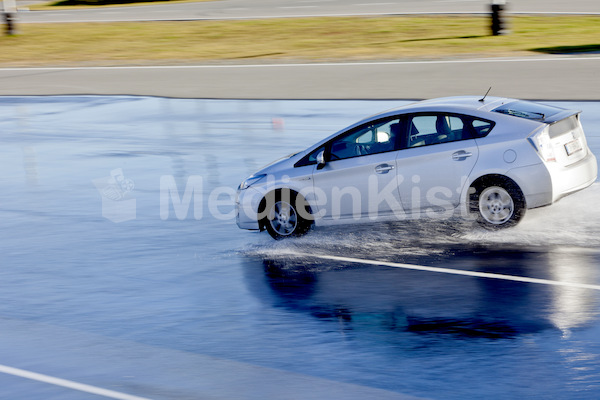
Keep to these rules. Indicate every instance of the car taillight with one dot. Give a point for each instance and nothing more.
(543, 145)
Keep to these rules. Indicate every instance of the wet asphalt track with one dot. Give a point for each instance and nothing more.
(99, 288)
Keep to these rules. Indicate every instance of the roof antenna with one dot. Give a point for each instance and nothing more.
(486, 93)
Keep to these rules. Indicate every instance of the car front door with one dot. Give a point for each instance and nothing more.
(359, 178)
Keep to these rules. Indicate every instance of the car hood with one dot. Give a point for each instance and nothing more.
(274, 165)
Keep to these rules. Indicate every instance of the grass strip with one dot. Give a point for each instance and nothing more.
(292, 40)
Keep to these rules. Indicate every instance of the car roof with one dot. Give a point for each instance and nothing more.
(468, 103)
(455, 104)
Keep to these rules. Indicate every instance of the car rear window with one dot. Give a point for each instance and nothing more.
(528, 110)
(566, 125)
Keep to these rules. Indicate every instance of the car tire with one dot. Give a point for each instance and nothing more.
(498, 205)
(287, 214)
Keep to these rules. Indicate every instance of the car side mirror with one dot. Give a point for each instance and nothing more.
(321, 160)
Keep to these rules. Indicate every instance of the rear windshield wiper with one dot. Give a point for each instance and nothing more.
(522, 114)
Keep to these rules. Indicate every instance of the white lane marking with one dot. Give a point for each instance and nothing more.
(296, 7)
(341, 64)
(38, 19)
(68, 384)
(451, 271)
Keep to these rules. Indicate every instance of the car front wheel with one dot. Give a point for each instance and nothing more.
(287, 217)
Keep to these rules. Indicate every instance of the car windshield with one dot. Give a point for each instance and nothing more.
(527, 109)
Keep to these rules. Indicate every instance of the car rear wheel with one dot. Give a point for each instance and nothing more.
(287, 217)
(499, 206)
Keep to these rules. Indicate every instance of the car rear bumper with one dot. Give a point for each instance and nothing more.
(545, 183)
(566, 180)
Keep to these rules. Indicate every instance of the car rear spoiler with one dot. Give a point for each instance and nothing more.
(552, 119)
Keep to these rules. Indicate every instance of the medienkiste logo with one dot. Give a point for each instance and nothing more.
(118, 201)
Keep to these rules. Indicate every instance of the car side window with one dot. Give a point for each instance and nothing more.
(428, 129)
(376, 137)
(481, 128)
(312, 158)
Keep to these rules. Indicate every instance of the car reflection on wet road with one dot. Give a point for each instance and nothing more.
(118, 231)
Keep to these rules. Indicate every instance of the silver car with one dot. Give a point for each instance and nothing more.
(490, 158)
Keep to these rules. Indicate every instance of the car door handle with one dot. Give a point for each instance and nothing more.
(461, 155)
(383, 168)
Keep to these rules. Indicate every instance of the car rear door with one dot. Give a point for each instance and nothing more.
(435, 160)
